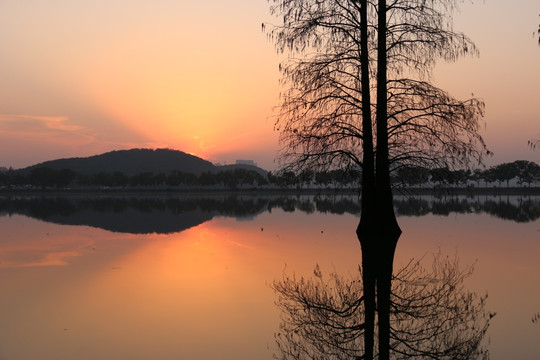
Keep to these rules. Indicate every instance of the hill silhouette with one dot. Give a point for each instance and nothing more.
(135, 161)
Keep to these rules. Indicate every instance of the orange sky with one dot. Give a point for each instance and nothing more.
(79, 78)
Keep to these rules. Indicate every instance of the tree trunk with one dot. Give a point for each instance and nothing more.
(369, 278)
(389, 233)
(365, 228)
(387, 228)
(378, 238)
(378, 230)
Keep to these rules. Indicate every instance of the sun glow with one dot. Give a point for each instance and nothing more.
(202, 77)
(180, 108)
(154, 74)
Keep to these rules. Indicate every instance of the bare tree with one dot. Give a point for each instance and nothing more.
(342, 52)
(432, 316)
(538, 33)
(323, 103)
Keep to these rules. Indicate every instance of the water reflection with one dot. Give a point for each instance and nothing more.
(518, 209)
(202, 293)
(170, 214)
(432, 314)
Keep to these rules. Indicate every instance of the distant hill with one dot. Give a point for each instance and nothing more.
(132, 162)
(135, 161)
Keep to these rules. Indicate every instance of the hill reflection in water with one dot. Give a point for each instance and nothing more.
(170, 214)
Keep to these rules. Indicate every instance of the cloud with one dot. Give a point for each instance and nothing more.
(29, 139)
(36, 124)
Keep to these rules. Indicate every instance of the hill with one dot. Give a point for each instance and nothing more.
(132, 162)
(135, 161)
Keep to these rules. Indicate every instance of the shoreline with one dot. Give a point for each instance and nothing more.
(412, 191)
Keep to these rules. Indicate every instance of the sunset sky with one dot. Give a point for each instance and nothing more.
(81, 77)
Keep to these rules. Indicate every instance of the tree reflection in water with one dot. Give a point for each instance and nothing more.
(433, 316)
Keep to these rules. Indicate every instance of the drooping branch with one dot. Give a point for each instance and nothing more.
(437, 128)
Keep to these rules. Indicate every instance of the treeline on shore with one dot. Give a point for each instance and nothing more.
(521, 172)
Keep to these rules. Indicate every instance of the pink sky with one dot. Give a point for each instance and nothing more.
(79, 78)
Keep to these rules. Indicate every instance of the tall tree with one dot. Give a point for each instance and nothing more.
(327, 118)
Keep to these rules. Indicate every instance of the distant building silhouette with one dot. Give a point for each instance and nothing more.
(246, 162)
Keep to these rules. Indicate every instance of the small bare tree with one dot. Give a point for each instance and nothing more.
(538, 33)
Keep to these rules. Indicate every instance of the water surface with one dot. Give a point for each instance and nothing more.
(188, 277)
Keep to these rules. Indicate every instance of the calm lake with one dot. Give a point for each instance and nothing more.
(188, 277)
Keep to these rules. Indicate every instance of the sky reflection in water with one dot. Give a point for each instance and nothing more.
(203, 292)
